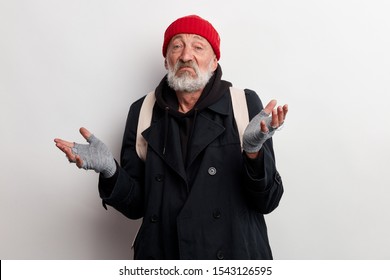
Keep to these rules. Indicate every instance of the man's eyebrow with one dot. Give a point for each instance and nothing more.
(200, 38)
(180, 36)
(177, 37)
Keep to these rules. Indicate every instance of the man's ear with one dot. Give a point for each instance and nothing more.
(166, 64)
(215, 63)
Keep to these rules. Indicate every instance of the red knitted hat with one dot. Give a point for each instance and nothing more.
(193, 24)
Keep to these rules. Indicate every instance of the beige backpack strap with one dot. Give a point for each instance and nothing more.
(144, 120)
(240, 110)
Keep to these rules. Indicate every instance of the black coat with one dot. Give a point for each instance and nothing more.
(214, 208)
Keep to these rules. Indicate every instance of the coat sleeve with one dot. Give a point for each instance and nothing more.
(262, 183)
(125, 190)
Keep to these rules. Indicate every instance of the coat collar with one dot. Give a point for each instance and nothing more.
(222, 106)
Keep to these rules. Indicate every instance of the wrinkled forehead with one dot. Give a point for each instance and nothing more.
(187, 36)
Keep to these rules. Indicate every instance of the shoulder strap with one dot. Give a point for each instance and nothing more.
(240, 112)
(144, 120)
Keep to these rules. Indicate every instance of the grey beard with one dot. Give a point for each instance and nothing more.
(186, 82)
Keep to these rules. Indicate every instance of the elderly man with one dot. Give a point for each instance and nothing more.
(201, 194)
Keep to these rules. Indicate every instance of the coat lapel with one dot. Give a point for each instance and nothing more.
(206, 131)
(209, 126)
(154, 135)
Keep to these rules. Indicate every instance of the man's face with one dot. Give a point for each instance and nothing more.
(190, 61)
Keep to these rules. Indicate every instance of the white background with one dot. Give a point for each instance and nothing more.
(66, 64)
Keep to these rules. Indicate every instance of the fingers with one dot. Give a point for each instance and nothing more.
(285, 110)
(270, 106)
(66, 149)
(79, 161)
(64, 143)
(85, 133)
(278, 116)
(263, 127)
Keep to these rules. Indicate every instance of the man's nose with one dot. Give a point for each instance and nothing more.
(187, 54)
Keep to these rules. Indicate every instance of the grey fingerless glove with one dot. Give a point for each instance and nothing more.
(96, 156)
(254, 138)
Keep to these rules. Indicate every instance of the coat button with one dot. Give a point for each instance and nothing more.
(217, 214)
(159, 177)
(212, 171)
(154, 218)
(220, 255)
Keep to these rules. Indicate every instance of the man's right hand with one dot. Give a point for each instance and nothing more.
(93, 156)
